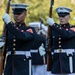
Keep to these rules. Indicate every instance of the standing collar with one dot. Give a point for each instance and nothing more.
(20, 24)
(65, 25)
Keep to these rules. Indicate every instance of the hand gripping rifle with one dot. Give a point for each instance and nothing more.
(4, 38)
(49, 41)
(42, 22)
(7, 11)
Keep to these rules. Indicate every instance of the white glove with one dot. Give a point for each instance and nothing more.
(50, 21)
(1, 43)
(44, 27)
(6, 18)
(42, 31)
(42, 50)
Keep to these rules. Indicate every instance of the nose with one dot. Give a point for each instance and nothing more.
(15, 15)
(61, 18)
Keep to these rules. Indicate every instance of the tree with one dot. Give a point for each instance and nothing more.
(40, 8)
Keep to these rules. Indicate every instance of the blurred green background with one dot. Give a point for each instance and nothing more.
(37, 9)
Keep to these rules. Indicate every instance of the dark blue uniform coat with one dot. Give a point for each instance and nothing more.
(37, 59)
(19, 39)
(63, 38)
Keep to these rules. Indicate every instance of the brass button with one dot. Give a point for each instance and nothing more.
(19, 25)
(53, 24)
(17, 28)
(59, 38)
(13, 48)
(60, 28)
(53, 36)
(14, 52)
(57, 26)
(59, 50)
(14, 40)
(59, 45)
(64, 25)
(14, 25)
(14, 36)
(59, 42)
(11, 22)
(24, 59)
(14, 44)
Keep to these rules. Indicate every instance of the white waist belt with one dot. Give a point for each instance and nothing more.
(34, 51)
(26, 53)
(68, 51)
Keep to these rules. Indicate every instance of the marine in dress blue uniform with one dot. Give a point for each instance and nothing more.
(20, 40)
(63, 43)
(38, 61)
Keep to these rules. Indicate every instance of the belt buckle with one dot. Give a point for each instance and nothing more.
(13, 52)
(59, 50)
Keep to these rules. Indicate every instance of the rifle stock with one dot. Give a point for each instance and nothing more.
(4, 36)
(49, 42)
(7, 11)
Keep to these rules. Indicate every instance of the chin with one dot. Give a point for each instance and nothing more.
(17, 21)
(62, 23)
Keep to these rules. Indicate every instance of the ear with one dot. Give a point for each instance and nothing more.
(25, 13)
(69, 17)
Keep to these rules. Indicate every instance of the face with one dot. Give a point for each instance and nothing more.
(64, 20)
(20, 17)
(37, 29)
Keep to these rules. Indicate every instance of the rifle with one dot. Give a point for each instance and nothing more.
(41, 22)
(7, 11)
(4, 38)
(49, 41)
